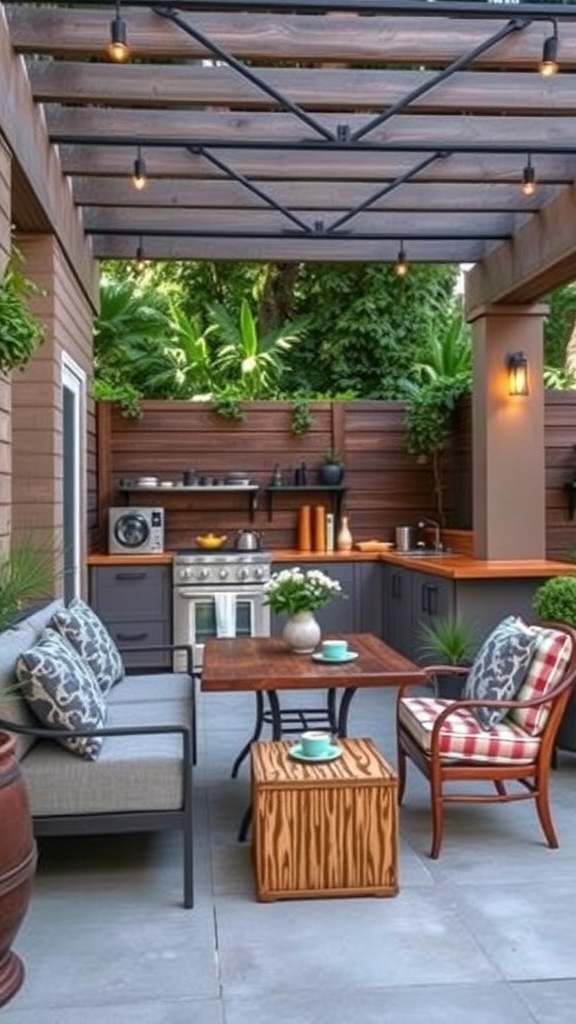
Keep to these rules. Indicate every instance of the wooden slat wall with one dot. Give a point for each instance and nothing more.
(5, 396)
(386, 486)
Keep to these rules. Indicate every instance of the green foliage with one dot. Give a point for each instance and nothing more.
(301, 415)
(332, 458)
(26, 574)
(559, 325)
(555, 600)
(121, 393)
(365, 327)
(440, 378)
(20, 333)
(247, 355)
(226, 404)
(449, 641)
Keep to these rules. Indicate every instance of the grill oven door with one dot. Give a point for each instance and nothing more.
(195, 617)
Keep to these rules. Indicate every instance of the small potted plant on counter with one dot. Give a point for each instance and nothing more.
(448, 641)
(332, 469)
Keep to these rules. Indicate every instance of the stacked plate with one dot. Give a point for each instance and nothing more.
(237, 479)
(147, 481)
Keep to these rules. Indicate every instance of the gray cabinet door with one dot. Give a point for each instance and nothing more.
(369, 597)
(432, 599)
(134, 601)
(397, 612)
(340, 615)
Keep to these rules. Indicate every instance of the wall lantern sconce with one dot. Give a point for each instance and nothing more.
(518, 374)
(118, 46)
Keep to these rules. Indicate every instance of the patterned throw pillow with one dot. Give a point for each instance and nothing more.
(91, 640)
(62, 691)
(499, 668)
(552, 654)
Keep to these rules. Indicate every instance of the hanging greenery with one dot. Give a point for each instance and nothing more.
(20, 332)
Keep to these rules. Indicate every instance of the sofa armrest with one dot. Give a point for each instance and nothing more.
(41, 733)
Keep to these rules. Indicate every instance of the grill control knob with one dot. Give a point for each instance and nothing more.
(184, 574)
(258, 572)
(203, 574)
(223, 574)
(242, 573)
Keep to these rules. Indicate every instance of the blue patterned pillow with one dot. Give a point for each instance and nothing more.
(499, 668)
(91, 640)
(62, 692)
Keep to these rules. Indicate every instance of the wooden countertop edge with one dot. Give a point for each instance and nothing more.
(450, 566)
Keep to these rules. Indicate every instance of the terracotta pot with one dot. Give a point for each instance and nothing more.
(17, 864)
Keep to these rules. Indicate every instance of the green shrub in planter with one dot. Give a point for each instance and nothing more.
(555, 600)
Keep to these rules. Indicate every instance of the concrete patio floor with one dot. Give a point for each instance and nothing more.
(486, 934)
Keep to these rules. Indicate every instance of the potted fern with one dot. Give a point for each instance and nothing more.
(448, 641)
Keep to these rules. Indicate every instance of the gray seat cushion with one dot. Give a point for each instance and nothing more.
(132, 773)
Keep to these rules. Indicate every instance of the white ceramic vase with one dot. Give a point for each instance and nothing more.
(302, 633)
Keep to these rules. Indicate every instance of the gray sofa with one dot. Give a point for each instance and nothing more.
(142, 778)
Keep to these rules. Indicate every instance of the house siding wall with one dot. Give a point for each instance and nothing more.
(37, 449)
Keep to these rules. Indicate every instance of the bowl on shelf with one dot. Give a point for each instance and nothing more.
(211, 541)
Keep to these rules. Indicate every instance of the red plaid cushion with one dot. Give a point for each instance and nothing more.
(462, 738)
(546, 669)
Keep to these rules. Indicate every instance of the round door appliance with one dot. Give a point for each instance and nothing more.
(135, 531)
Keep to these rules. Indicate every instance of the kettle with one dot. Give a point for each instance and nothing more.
(247, 540)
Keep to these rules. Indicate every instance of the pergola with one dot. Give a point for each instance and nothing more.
(327, 131)
(302, 130)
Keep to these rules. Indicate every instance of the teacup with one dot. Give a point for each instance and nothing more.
(334, 650)
(315, 743)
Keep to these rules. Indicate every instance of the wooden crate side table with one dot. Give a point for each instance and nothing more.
(324, 829)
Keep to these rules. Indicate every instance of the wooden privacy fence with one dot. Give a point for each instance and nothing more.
(385, 486)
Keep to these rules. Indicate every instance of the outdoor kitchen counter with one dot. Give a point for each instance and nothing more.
(450, 566)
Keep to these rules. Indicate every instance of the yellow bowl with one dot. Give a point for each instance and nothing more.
(211, 540)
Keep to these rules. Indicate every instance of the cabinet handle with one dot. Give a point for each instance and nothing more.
(131, 637)
(131, 575)
(430, 599)
(396, 584)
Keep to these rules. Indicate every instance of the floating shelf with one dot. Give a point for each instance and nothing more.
(336, 493)
(251, 490)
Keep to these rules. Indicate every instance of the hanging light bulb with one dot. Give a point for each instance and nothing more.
(139, 174)
(528, 178)
(140, 261)
(549, 64)
(118, 46)
(401, 265)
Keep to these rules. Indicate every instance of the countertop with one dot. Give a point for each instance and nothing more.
(451, 566)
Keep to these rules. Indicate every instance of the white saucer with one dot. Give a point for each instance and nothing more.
(332, 753)
(349, 656)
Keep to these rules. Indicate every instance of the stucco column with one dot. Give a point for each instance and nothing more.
(508, 498)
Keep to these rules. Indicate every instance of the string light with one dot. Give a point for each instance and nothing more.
(528, 178)
(139, 174)
(118, 46)
(401, 266)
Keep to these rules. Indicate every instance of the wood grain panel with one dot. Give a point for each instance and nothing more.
(324, 830)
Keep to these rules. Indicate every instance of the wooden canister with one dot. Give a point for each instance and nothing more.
(304, 530)
(17, 864)
(319, 528)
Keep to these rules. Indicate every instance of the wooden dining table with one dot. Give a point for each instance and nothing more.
(266, 666)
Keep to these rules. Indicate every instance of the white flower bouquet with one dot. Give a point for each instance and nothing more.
(297, 590)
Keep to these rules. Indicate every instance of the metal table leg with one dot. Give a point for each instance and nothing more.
(344, 709)
(255, 735)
